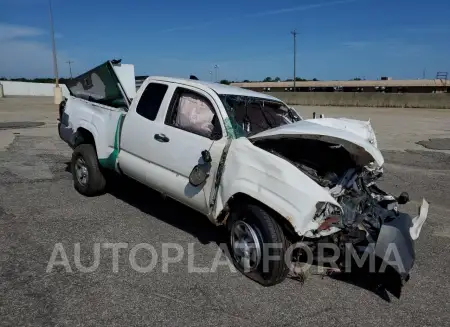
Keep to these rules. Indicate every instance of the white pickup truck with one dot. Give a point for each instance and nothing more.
(244, 159)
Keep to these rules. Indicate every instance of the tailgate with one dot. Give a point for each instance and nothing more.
(111, 83)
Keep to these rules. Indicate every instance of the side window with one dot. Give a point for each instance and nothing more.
(151, 99)
(193, 113)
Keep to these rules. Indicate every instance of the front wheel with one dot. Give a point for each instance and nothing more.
(88, 179)
(257, 244)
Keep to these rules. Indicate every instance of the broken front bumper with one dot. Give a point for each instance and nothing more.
(395, 243)
(395, 248)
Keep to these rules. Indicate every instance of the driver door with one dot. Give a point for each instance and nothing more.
(192, 125)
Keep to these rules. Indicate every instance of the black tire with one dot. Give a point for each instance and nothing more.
(267, 272)
(96, 182)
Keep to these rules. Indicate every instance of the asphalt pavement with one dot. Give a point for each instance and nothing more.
(40, 211)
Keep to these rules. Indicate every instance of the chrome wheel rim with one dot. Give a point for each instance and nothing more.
(245, 245)
(81, 171)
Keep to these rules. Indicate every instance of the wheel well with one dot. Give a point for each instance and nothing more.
(242, 198)
(83, 136)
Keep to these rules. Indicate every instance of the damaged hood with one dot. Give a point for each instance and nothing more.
(346, 133)
(359, 127)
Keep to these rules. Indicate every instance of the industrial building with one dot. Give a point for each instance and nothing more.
(387, 86)
(384, 85)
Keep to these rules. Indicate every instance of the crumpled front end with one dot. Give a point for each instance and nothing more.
(368, 221)
(372, 227)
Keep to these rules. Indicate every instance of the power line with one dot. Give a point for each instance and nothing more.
(294, 33)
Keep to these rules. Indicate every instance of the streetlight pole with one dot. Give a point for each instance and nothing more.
(216, 70)
(294, 33)
(210, 75)
(70, 62)
(58, 95)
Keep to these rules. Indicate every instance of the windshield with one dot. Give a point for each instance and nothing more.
(251, 115)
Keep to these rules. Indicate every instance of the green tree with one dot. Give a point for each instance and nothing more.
(277, 79)
(268, 79)
(224, 81)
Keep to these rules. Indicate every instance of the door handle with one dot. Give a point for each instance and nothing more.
(161, 138)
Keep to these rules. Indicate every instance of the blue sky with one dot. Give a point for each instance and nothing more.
(248, 39)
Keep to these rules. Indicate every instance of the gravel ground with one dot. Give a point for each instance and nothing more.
(39, 208)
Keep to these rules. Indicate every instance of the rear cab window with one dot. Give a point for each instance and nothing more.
(151, 99)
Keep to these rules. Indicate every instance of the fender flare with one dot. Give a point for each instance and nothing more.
(84, 124)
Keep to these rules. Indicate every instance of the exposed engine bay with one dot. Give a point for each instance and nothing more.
(368, 219)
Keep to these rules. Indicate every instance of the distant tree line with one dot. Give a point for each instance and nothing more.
(224, 81)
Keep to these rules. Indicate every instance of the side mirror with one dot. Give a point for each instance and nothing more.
(200, 172)
(198, 176)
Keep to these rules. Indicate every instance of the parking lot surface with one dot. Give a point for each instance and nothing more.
(40, 208)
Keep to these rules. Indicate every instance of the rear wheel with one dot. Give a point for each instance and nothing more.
(257, 245)
(87, 177)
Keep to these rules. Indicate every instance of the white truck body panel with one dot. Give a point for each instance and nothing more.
(273, 181)
(126, 76)
(166, 166)
(99, 120)
(248, 169)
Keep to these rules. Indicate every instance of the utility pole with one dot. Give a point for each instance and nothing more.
(216, 68)
(294, 33)
(55, 64)
(70, 62)
(58, 93)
